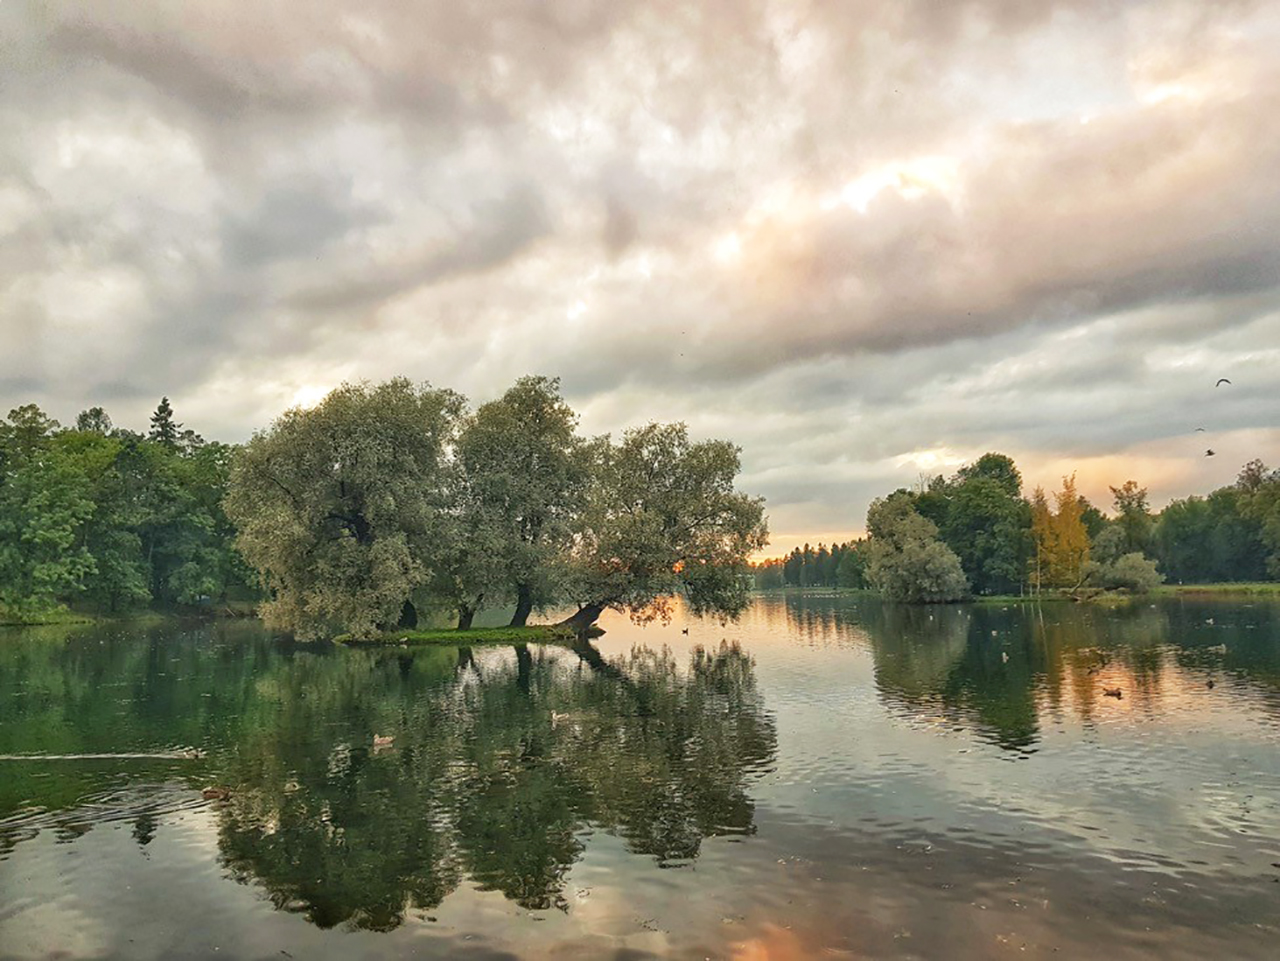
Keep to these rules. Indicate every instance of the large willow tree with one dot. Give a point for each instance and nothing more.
(524, 471)
(341, 507)
(662, 519)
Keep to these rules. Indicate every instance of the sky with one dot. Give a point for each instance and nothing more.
(867, 241)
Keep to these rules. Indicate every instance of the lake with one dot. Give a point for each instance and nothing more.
(828, 777)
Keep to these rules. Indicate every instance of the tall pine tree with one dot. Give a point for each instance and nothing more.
(163, 428)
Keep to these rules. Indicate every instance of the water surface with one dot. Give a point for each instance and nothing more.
(830, 777)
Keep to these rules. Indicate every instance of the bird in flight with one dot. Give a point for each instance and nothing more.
(1210, 452)
(1199, 429)
(1221, 381)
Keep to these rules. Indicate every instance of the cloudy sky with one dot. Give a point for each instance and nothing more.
(865, 240)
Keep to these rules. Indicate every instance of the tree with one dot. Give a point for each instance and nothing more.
(1070, 540)
(1130, 572)
(1092, 518)
(1133, 516)
(662, 517)
(998, 468)
(44, 503)
(907, 561)
(94, 420)
(986, 527)
(1259, 490)
(119, 575)
(525, 469)
(163, 429)
(1042, 539)
(852, 570)
(1110, 545)
(342, 508)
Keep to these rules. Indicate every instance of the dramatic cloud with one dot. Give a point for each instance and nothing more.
(866, 240)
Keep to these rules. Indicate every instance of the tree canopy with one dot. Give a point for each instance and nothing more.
(343, 508)
(662, 517)
(383, 499)
(101, 517)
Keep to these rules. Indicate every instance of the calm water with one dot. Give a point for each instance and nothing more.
(828, 778)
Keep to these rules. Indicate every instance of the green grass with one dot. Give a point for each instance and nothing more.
(1044, 597)
(533, 634)
(57, 615)
(1240, 587)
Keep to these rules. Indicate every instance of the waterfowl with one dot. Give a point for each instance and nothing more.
(1112, 692)
(216, 793)
(383, 740)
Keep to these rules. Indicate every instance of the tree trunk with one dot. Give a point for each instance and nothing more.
(466, 612)
(408, 616)
(584, 617)
(524, 605)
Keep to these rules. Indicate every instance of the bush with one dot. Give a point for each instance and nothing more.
(1129, 572)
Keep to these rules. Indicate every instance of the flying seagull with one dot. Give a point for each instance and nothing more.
(1209, 452)
(1221, 381)
(1198, 429)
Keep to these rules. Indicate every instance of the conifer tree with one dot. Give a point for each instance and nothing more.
(163, 429)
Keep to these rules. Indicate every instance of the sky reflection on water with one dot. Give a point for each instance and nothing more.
(827, 775)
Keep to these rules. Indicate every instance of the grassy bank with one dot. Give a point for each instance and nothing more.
(1241, 587)
(533, 634)
(59, 615)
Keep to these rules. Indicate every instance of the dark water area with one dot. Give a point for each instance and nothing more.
(829, 777)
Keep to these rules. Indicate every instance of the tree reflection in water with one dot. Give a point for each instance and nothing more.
(500, 764)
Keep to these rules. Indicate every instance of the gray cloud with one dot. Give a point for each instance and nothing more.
(863, 239)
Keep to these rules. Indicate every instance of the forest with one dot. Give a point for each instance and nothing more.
(386, 501)
(975, 533)
(381, 502)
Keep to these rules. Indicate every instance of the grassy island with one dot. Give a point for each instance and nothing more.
(530, 634)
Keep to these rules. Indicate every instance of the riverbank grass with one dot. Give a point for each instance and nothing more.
(56, 615)
(1239, 587)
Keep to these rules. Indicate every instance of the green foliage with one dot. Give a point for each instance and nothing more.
(907, 561)
(1133, 516)
(104, 518)
(996, 468)
(662, 517)
(1259, 491)
(982, 517)
(164, 430)
(523, 477)
(1109, 545)
(44, 504)
(343, 508)
(1129, 572)
(1222, 537)
(93, 421)
(843, 565)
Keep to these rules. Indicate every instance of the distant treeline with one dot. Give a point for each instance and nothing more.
(841, 565)
(976, 533)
